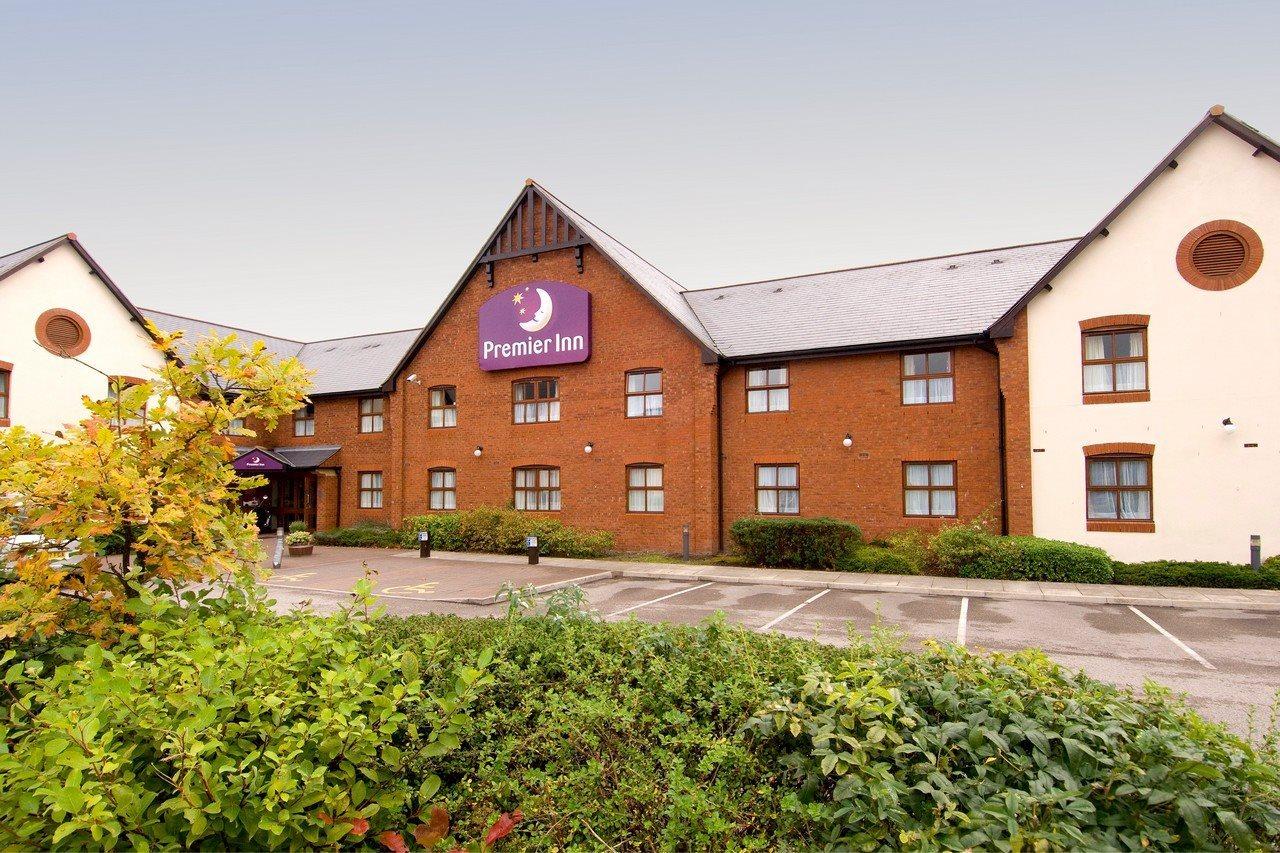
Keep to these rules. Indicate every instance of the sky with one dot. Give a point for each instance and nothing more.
(321, 169)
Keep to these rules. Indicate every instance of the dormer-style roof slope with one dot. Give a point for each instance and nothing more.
(361, 363)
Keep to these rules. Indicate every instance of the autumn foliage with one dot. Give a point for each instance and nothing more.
(146, 476)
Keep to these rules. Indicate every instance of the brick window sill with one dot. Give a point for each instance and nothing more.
(4, 422)
(1117, 397)
(1121, 526)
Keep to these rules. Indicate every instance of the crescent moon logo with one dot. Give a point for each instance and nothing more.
(542, 316)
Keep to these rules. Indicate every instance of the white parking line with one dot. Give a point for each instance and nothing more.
(656, 600)
(810, 600)
(1190, 651)
(962, 629)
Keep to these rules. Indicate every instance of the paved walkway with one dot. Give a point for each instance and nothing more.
(1071, 593)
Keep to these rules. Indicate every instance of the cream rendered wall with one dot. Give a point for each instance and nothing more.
(47, 388)
(1211, 355)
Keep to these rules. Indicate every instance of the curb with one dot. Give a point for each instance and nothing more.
(1242, 603)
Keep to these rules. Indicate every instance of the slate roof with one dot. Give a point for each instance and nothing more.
(342, 365)
(306, 457)
(951, 296)
(14, 260)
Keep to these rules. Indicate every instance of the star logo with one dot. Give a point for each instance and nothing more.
(517, 299)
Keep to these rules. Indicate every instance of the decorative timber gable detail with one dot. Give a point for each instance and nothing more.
(533, 225)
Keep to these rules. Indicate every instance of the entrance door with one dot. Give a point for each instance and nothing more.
(296, 498)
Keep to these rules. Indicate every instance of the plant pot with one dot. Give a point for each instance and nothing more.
(300, 550)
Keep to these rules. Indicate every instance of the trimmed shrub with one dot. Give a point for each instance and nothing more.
(1051, 560)
(805, 543)
(494, 530)
(363, 535)
(969, 551)
(877, 560)
(1198, 573)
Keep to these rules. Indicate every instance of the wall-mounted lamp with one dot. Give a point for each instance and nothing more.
(589, 447)
(479, 451)
(1228, 426)
(848, 439)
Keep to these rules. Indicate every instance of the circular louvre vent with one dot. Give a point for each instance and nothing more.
(62, 332)
(1220, 255)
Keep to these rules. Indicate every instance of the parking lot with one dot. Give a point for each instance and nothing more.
(1226, 661)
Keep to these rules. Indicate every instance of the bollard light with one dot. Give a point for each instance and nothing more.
(424, 544)
(1255, 552)
(684, 541)
(531, 547)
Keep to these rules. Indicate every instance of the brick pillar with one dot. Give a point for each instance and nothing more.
(1016, 388)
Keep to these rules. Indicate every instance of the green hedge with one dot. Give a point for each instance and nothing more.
(636, 736)
(486, 530)
(1199, 573)
(878, 560)
(365, 535)
(970, 552)
(805, 543)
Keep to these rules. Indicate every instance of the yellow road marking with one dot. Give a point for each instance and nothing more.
(419, 588)
(293, 578)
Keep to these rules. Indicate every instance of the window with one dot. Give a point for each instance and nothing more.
(304, 421)
(444, 484)
(235, 425)
(1115, 360)
(929, 489)
(535, 401)
(927, 378)
(371, 490)
(6, 371)
(644, 488)
(371, 409)
(768, 389)
(644, 394)
(778, 489)
(1119, 488)
(536, 488)
(444, 407)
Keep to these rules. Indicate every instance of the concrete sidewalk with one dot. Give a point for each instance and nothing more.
(1071, 593)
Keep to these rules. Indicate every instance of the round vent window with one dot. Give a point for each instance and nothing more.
(1220, 255)
(62, 332)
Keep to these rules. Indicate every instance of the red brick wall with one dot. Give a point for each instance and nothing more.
(628, 332)
(337, 498)
(1017, 415)
(861, 395)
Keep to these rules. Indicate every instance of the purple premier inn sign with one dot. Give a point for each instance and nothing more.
(256, 460)
(535, 323)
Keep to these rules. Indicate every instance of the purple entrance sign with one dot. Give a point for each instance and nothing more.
(254, 461)
(535, 323)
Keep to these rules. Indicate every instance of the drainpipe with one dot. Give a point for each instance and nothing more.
(1004, 471)
(719, 462)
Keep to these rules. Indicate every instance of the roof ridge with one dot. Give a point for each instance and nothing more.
(223, 325)
(680, 288)
(885, 264)
(51, 240)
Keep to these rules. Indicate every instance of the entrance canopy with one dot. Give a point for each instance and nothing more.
(258, 460)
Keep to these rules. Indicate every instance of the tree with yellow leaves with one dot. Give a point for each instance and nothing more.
(148, 475)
